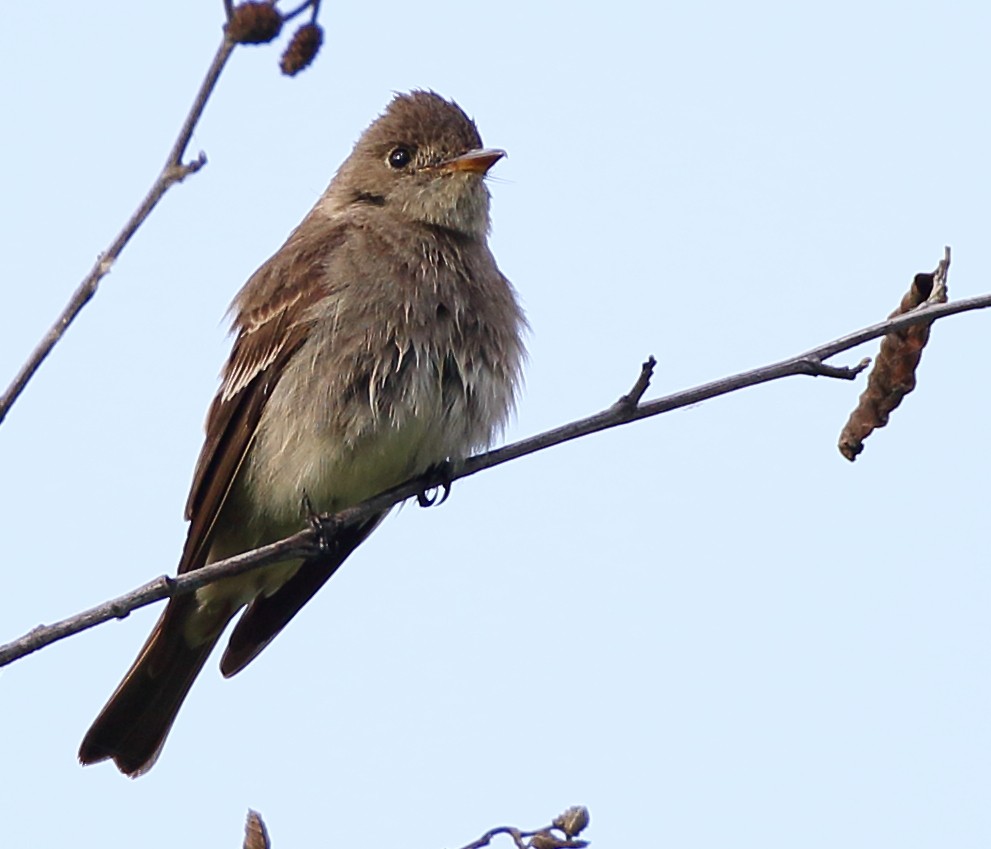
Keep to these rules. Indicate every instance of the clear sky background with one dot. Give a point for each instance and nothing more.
(708, 627)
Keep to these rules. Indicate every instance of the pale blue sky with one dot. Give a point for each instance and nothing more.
(708, 627)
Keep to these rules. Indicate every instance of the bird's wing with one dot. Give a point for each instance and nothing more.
(266, 616)
(268, 334)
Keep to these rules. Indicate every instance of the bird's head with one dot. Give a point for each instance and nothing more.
(422, 159)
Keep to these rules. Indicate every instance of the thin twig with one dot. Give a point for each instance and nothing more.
(632, 398)
(174, 171)
(302, 7)
(938, 294)
(486, 838)
(307, 542)
(570, 824)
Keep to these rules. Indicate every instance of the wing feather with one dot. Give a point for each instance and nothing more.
(272, 320)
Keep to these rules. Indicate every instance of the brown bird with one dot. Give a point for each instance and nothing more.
(379, 341)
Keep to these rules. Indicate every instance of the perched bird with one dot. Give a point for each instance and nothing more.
(379, 341)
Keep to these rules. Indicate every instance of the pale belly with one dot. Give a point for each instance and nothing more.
(331, 479)
(313, 450)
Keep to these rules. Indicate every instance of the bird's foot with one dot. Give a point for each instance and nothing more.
(429, 497)
(324, 531)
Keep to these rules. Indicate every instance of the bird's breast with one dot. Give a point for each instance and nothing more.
(345, 423)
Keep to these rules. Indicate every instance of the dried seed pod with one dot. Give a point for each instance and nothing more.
(302, 49)
(255, 833)
(254, 23)
(893, 375)
(573, 821)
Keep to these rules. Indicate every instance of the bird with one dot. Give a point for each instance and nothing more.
(378, 342)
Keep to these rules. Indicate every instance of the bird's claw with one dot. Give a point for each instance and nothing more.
(319, 527)
(429, 497)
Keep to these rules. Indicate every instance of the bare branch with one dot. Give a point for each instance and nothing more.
(307, 543)
(174, 171)
(303, 49)
(302, 7)
(303, 544)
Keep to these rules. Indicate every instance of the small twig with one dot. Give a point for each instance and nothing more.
(817, 368)
(486, 838)
(302, 7)
(571, 823)
(308, 542)
(174, 171)
(632, 398)
(938, 294)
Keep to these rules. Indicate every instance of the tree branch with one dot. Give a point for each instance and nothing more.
(308, 542)
(570, 824)
(174, 171)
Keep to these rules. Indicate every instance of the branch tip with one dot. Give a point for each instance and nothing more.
(939, 293)
(194, 165)
(817, 368)
(631, 399)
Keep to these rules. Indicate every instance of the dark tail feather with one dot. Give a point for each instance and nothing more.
(132, 727)
(267, 616)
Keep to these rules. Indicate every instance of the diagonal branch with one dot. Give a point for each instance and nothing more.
(174, 171)
(627, 409)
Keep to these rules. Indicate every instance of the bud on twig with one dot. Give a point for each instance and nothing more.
(255, 833)
(573, 821)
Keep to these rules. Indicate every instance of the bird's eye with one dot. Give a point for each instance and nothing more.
(400, 157)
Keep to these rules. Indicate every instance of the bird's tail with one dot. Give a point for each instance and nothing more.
(132, 727)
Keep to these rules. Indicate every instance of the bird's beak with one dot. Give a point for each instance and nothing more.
(474, 161)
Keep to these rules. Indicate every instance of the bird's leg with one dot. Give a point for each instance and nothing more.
(325, 534)
(428, 497)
